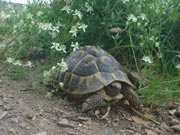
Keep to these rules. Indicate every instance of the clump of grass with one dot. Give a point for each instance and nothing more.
(161, 91)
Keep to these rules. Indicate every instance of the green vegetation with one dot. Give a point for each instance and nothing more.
(143, 34)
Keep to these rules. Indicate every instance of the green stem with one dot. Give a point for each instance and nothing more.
(132, 47)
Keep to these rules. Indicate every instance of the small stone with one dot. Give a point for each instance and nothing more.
(173, 121)
(65, 123)
(71, 133)
(175, 127)
(177, 113)
(172, 111)
(8, 107)
(1, 95)
(80, 125)
(24, 125)
(3, 115)
(14, 120)
(12, 131)
(116, 30)
(1, 103)
(41, 133)
(29, 115)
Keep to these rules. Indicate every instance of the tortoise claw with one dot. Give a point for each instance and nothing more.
(96, 113)
(105, 116)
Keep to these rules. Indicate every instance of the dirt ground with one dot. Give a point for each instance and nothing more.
(32, 113)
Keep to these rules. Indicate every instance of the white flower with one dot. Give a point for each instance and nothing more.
(39, 13)
(53, 34)
(10, 60)
(132, 17)
(83, 26)
(63, 48)
(32, 22)
(75, 46)
(152, 38)
(46, 75)
(89, 7)
(63, 65)
(4, 15)
(159, 54)
(58, 47)
(178, 55)
(78, 13)
(124, 1)
(138, 24)
(59, 24)
(74, 31)
(141, 44)
(29, 64)
(45, 26)
(157, 44)
(61, 84)
(68, 1)
(53, 68)
(55, 28)
(10, 7)
(139, 6)
(178, 66)
(48, 94)
(18, 25)
(66, 8)
(18, 63)
(145, 24)
(55, 45)
(147, 59)
(14, 62)
(143, 16)
(29, 16)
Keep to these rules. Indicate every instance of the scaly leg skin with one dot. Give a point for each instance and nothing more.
(132, 97)
(93, 101)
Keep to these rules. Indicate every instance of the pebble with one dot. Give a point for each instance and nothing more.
(41, 133)
(1, 103)
(65, 123)
(3, 115)
(24, 125)
(12, 131)
(14, 120)
(29, 115)
(8, 107)
(177, 113)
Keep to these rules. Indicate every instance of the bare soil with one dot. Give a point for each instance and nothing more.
(30, 112)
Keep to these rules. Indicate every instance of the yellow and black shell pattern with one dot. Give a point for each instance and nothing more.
(89, 70)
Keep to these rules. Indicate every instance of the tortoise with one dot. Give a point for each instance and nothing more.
(95, 75)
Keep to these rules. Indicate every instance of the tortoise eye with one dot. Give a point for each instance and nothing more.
(111, 86)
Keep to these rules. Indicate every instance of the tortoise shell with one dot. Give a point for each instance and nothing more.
(89, 70)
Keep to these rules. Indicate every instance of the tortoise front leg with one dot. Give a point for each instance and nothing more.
(93, 101)
(132, 97)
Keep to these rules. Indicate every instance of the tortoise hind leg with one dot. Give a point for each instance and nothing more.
(93, 101)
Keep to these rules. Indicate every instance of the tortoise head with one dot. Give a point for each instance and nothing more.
(113, 88)
(113, 92)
